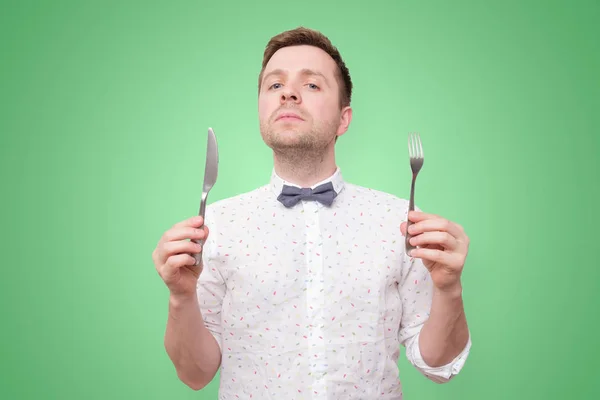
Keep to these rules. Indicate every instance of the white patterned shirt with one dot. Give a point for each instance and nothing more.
(314, 301)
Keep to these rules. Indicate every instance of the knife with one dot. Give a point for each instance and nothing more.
(210, 177)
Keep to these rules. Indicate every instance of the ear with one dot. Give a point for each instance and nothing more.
(345, 119)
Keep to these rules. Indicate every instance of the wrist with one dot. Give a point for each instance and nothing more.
(452, 292)
(182, 300)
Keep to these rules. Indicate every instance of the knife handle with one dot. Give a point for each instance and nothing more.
(201, 212)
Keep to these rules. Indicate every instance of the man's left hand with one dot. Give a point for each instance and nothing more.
(441, 244)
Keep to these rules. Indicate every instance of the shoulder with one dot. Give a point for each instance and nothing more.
(233, 205)
(376, 198)
(225, 217)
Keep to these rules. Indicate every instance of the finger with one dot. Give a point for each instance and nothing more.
(436, 256)
(182, 233)
(182, 246)
(417, 216)
(179, 261)
(403, 228)
(179, 247)
(174, 263)
(437, 238)
(194, 222)
(435, 224)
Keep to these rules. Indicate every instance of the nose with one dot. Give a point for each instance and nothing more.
(290, 95)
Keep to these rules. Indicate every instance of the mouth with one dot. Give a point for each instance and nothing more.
(288, 116)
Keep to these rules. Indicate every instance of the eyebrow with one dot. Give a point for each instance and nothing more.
(304, 72)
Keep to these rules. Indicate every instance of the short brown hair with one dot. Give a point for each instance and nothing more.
(304, 36)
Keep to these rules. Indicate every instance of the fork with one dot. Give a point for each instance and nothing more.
(415, 153)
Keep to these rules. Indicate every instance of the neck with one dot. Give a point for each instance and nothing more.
(304, 169)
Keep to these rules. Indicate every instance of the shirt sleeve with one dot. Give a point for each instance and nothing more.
(211, 286)
(416, 291)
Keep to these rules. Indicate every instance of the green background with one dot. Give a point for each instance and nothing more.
(104, 112)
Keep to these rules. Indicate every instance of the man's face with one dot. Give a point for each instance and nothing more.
(298, 105)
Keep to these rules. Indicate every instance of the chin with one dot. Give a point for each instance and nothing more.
(286, 132)
(288, 138)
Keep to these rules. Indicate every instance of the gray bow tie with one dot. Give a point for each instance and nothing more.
(291, 195)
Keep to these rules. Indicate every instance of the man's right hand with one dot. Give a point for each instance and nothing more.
(173, 256)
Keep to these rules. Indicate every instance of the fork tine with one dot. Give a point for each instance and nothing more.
(415, 148)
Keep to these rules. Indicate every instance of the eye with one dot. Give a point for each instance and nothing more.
(276, 85)
(313, 86)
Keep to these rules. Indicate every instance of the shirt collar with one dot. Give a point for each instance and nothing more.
(336, 179)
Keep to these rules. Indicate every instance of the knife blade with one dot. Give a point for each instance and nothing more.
(211, 169)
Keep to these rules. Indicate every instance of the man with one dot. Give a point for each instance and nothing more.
(309, 295)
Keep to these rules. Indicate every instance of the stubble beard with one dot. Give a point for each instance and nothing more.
(299, 147)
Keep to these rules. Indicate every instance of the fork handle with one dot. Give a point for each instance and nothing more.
(411, 207)
(198, 256)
